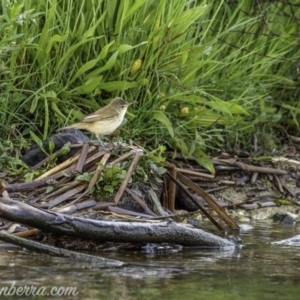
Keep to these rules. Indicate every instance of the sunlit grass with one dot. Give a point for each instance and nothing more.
(196, 69)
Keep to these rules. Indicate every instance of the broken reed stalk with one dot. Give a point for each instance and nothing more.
(103, 205)
(194, 173)
(98, 171)
(67, 195)
(39, 164)
(124, 156)
(62, 189)
(70, 209)
(82, 158)
(63, 165)
(14, 187)
(210, 201)
(96, 175)
(203, 210)
(172, 189)
(122, 211)
(140, 201)
(128, 176)
(252, 169)
(90, 160)
(2, 187)
(278, 184)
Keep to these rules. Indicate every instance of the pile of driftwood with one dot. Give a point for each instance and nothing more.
(71, 209)
(58, 210)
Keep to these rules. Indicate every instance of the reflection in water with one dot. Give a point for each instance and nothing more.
(257, 271)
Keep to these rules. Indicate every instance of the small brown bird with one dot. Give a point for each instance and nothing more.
(105, 120)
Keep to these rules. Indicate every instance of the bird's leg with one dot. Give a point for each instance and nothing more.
(110, 137)
(101, 143)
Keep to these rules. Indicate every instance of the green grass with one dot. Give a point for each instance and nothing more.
(201, 73)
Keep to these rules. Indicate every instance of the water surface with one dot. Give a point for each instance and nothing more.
(257, 271)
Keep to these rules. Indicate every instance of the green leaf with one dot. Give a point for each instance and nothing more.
(38, 141)
(51, 146)
(161, 117)
(34, 104)
(108, 188)
(89, 86)
(29, 176)
(227, 107)
(91, 31)
(65, 149)
(203, 160)
(84, 177)
(117, 86)
(57, 38)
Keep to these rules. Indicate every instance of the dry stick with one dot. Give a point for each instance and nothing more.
(38, 165)
(227, 182)
(288, 190)
(63, 189)
(156, 204)
(197, 203)
(198, 174)
(67, 195)
(240, 203)
(121, 158)
(254, 177)
(73, 208)
(103, 205)
(250, 168)
(127, 177)
(71, 168)
(216, 189)
(140, 201)
(63, 165)
(2, 188)
(82, 158)
(165, 196)
(264, 170)
(24, 186)
(278, 184)
(98, 171)
(27, 233)
(172, 189)
(210, 201)
(96, 175)
(118, 210)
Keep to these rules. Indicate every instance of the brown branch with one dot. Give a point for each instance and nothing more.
(82, 158)
(210, 201)
(140, 201)
(67, 195)
(172, 190)
(197, 203)
(128, 176)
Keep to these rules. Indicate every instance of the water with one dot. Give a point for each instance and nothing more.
(257, 271)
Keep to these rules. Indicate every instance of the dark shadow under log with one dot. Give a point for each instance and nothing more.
(115, 231)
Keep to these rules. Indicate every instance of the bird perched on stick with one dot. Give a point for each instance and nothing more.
(105, 120)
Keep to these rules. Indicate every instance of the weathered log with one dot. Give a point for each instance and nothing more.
(116, 231)
(36, 246)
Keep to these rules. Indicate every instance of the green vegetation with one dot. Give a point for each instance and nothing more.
(203, 73)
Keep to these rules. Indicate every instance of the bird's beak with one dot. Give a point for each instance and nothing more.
(130, 103)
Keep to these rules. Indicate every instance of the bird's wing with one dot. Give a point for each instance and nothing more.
(94, 118)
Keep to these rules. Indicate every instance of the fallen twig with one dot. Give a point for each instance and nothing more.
(128, 175)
